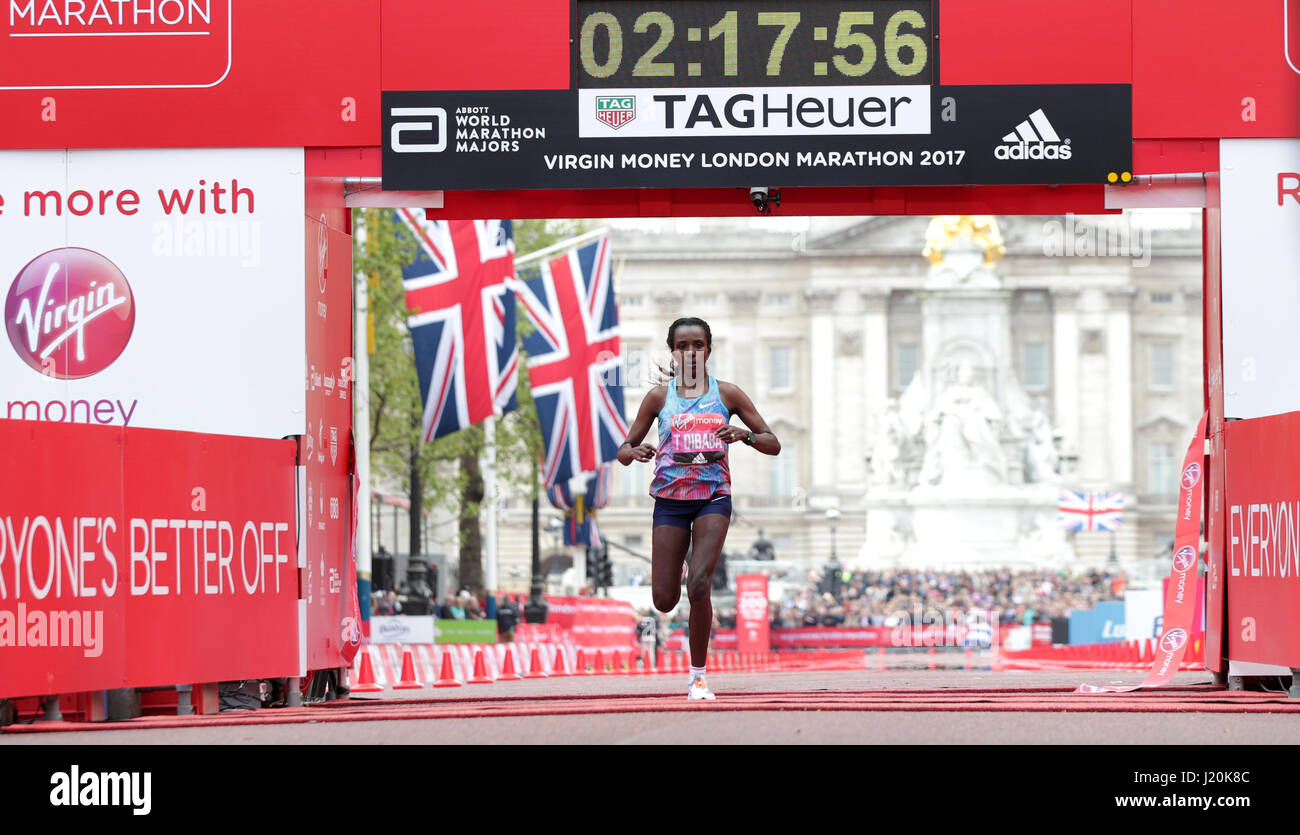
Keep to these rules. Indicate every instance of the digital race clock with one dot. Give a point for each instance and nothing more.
(706, 43)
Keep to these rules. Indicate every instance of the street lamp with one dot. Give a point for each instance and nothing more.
(535, 609)
(833, 564)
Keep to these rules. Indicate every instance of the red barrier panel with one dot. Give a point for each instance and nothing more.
(1261, 571)
(593, 622)
(139, 557)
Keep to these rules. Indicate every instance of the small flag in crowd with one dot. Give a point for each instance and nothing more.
(462, 319)
(573, 358)
(1091, 511)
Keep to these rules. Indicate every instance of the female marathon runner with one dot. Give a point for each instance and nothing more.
(692, 481)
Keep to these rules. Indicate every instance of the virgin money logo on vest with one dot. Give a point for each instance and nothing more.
(69, 313)
(686, 422)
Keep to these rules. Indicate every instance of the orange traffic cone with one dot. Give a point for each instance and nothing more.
(884, 664)
(366, 678)
(535, 666)
(582, 665)
(559, 669)
(409, 681)
(508, 668)
(447, 678)
(600, 661)
(932, 665)
(480, 670)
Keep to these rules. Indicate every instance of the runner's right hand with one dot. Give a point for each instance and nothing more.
(641, 452)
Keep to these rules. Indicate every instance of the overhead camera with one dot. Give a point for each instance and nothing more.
(764, 199)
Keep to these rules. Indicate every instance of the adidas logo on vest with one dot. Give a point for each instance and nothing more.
(699, 459)
(1034, 138)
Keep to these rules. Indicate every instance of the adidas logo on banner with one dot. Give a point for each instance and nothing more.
(699, 459)
(1034, 138)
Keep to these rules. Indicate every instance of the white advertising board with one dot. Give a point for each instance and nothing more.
(1143, 614)
(1260, 181)
(154, 288)
(401, 629)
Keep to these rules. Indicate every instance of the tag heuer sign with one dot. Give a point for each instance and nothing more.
(615, 111)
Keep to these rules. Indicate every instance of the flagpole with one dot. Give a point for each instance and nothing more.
(490, 499)
(562, 245)
(579, 552)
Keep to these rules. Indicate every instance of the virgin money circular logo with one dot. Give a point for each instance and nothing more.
(322, 253)
(70, 313)
(1191, 475)
(1172, 640)
(1185, 558)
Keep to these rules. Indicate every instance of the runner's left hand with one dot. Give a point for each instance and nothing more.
(730, 434)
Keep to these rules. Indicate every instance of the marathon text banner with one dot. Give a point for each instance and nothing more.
(795, 136)
(140, 557)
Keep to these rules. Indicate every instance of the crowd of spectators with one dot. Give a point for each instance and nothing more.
(891, 598)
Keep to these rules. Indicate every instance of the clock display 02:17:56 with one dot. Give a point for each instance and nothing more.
(702, 43)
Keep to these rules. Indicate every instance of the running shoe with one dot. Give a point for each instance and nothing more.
(698, 690)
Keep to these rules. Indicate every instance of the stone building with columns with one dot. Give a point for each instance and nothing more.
(828, 322)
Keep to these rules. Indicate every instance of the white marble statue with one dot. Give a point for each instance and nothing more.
(961, 436)
(1042, 461)
(886, 456)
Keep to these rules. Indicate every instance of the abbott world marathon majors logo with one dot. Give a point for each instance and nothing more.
(69, 313)
(1034, 138)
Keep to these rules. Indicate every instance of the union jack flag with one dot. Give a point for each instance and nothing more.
(1091, 511)
(573, 359)
(580, 510)
(462, 319)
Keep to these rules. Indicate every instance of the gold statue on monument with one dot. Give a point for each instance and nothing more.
(982, 229)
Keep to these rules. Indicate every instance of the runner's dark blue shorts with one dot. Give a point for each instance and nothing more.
(681, 514)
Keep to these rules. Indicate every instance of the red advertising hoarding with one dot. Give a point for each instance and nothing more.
(141, 557)
(189, 73)
(592, 622)
(327, 534)
(1262, 559)
(216, 73)
(751, 613)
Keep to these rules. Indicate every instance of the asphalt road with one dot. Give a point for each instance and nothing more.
(898, 707)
